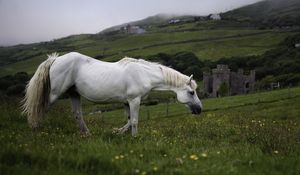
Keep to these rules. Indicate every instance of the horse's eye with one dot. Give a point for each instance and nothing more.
(192, 92)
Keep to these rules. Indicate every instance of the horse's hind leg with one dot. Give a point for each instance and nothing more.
(134, 105)
(76, 108)
(127, 125)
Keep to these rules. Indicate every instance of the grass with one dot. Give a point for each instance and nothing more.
(28, 66)
(249, 134)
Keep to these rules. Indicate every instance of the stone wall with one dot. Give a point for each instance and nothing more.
(207, 82)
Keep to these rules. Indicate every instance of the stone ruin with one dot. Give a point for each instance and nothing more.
(235, 82)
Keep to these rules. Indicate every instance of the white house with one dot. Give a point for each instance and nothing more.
(134, 29)
(214, 17)
(174, 21)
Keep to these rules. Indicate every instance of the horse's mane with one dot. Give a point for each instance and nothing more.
(174, 78)
(128, 60)
(171, 76)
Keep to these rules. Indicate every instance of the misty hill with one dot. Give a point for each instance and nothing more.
(270, 13)
(151, 20)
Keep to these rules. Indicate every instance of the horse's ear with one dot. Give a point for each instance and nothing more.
(190, 80)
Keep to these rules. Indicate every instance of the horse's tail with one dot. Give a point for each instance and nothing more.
(36, 98)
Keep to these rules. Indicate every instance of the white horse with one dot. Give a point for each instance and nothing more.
(128, 81)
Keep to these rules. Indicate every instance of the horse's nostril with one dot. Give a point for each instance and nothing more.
(195, 109)
(198, 111)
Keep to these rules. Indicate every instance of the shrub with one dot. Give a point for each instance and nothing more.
(185, 62)
(151, 102)
(15, 89)
(14, 84)
(223, 89)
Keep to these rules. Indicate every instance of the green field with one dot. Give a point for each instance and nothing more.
(206, 44)
(250, 134)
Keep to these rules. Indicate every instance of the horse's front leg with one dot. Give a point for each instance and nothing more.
(134, 106)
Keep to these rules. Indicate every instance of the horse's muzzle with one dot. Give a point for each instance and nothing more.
(195, 108)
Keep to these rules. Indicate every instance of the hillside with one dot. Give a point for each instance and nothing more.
(269, 13)
(206, 44)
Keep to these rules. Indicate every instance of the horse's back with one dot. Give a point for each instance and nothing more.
(70, 58)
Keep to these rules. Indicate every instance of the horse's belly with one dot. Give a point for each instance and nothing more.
(101, 93)
(100, 83)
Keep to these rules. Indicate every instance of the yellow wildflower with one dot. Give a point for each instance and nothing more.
(204, 155)
(194, 157)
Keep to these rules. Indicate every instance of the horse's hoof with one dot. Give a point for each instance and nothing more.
(115, 130)
(119, 130)
(134, 135)
(85, 133)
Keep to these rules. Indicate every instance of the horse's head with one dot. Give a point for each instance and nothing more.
(187, 95)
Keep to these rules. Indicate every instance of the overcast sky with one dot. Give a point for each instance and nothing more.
(28, 21)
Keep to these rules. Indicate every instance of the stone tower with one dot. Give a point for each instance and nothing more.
(220, 75)
(237, 82)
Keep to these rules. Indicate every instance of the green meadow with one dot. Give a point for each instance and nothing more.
(207, 44)
(248, 134)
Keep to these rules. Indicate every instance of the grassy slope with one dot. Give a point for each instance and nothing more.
(250, 134)
(206, 44)
(216, 49)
